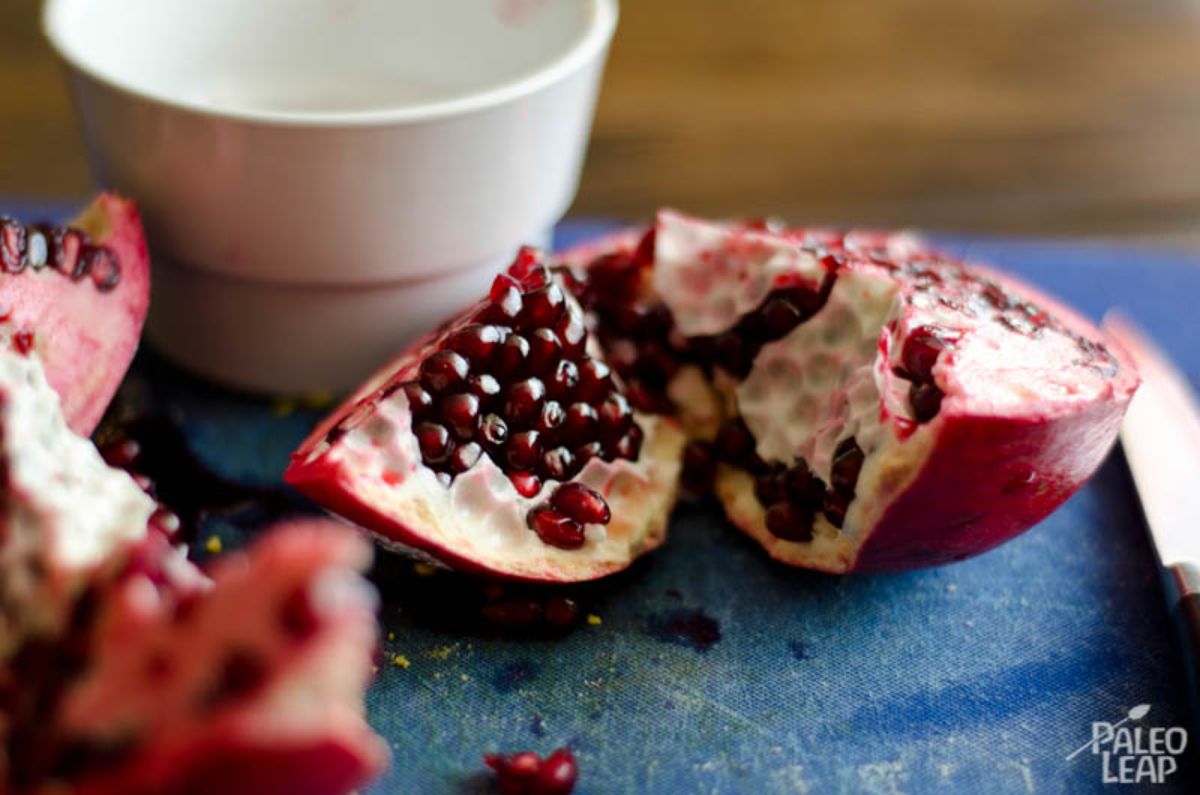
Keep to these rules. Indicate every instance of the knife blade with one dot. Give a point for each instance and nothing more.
(1161, 442)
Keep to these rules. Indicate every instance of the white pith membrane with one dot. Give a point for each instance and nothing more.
(482, 517)
(313, 683)
(66, 513)
(833, 377)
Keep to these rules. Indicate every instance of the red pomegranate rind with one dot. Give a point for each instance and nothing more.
(396, 466)
(84, 325)
(992, 403)
(251, 683)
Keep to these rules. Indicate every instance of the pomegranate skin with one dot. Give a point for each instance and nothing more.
(86, 337)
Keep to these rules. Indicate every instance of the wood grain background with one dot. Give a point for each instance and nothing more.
(1033, 116)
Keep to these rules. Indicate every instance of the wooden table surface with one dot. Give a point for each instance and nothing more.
(1027, 116)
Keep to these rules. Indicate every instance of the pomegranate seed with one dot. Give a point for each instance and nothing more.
(524, 402)
(778, 316)
(586, 452)
(581, 503)
(614, 415)
(642, 398)
(460, 412)
(527, 484)
(506, 302)
(657, 365)
(803, 487)
(165, 521)
(543, 307)
(770, 488)
(500, 287)
(785, 520)
(698, 466)
(544, 350)
(434, 441)
(418, 399)
(121, 453)
(561, 611)
(733, 355)
(513, 612)
(629, 445)
(98, 263)
(557, 774)
(484, 386)
(22, 342)
(523, 450)
(847, 462)
(921, 351)
(65, 250)
(443, 371)
(572, 331)
(551, 417)
(144, 482)
(835, 506)
(510, 359)
(580, 422)
(493, 431)
(556, 529)
(557, 464)
(644, 253)
(595, 380)
(629, 319)
(12, 245)
(735, 444)
(564, 379)
(926, 401)
(528, 260)
(465, 457)
(37, 253)
(476, 342)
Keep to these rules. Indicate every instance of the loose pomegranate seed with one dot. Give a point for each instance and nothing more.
(523, 450)
(561, 611)
(524, 402)
(544, 351)
(543, 307)
(460, 412)
(564, 379)
(476, 342)
(527, 484)
(551, 417)
(464, 457)
(418, 399)
(493, 431)
(444, 371)
(557, 464)
(484, 386)
(434, 441)
(926, 401)
(847, 462)
(513, 612)
(787, 521)
(555, 528)
(510, 359)
(581, 503)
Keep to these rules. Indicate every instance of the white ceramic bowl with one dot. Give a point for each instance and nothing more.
(330, 146)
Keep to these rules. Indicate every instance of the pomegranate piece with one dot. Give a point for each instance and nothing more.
(869, 402)
(548, 474)
(526, 774)
(125, 670)
(76, 297)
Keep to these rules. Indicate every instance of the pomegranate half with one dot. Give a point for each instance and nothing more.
(865, 402)
(77, 295)
(501, 444)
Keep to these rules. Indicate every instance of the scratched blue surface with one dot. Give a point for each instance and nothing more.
(714, 670)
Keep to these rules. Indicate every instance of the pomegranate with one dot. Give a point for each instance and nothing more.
(502, 443)
(860, 401)
(525, 773)
(76, 296)
(125, 669)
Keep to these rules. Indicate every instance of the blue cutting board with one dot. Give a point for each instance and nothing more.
(710, 669)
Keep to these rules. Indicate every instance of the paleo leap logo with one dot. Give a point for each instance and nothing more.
(1135, 754)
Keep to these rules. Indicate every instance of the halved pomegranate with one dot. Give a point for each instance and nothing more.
(501, 444)
(866, 403)
(76, 295)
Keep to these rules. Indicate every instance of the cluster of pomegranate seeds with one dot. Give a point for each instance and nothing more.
(526, 773)
(64, 249)
(517, 384)
(920, 353)
(560, 522)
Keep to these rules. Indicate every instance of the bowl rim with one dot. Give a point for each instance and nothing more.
(597, 34)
